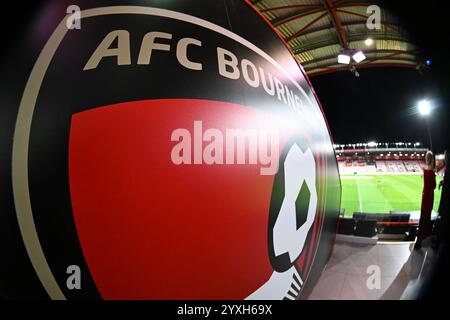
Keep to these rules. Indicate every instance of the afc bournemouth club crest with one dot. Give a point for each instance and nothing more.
(164, 152)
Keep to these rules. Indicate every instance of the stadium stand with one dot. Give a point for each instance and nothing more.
(381, 166)
(362, 159)
(389, 166)
(395, 166)
(413, 166)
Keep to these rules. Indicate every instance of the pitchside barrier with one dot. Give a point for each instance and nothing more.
(393, 225)
(161, 150)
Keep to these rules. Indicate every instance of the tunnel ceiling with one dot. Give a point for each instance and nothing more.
(319, 30)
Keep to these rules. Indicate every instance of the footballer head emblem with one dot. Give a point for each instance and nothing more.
(292, 214)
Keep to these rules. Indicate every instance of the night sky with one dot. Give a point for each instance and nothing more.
(379, 105)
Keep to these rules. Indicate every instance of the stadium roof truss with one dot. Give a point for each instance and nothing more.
(319, 30)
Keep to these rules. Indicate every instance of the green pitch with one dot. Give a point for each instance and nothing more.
(383, 193)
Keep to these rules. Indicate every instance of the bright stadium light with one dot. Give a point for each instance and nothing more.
(424, 107)
(372, 144)
(369, 42)
(359, 57)
(343, 59)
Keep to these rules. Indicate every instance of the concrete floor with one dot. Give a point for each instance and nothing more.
(401, 270)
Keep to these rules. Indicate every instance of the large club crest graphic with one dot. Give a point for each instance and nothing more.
(292, 213)
(91, 181)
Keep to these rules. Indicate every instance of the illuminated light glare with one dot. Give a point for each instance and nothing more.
(359, 57)
(343, 59)
(369, 42)
(424, 107)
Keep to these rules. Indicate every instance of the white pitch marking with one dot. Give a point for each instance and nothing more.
(359, 196)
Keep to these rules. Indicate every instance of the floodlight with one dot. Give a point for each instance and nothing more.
(369, 42)
(343, 59)
(372, 144)
(359, 57)
(424, 107)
